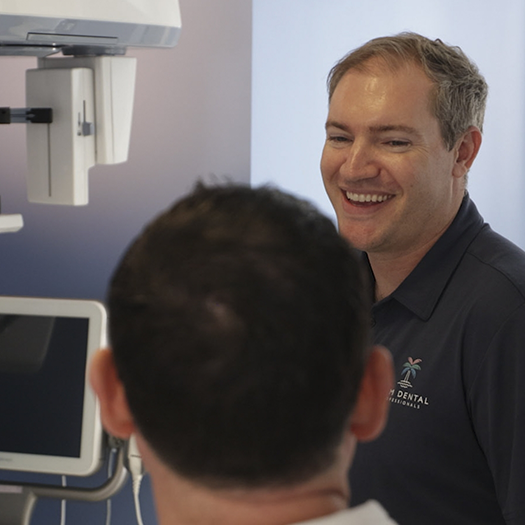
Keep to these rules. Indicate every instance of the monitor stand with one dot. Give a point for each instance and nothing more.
(17, 501)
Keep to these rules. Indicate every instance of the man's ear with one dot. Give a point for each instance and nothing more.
(114, 410)
(370, 413)
(467, 149)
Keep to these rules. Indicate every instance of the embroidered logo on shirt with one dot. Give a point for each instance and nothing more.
(409, 368)
(403, 396)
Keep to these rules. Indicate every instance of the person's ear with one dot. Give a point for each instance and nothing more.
(466, 149)
(114, 410)
(370, 413)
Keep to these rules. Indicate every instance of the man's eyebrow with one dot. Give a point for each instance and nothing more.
(335, 124)
(375, 129)
(394, 127)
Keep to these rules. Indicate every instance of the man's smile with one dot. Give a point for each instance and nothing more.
(365, 198)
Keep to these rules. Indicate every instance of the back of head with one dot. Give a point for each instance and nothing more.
(460, 92)
(239, 328)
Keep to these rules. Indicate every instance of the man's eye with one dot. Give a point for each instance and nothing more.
(398, 143)
(338, 139)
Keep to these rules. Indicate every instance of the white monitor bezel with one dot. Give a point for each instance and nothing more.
(91, 436)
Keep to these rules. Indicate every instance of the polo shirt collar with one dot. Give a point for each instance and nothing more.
(421, 290)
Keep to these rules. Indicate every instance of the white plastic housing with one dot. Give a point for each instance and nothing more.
(157, 12)
(31, 26)
(11, 223)
(59, 154)
(114, 84)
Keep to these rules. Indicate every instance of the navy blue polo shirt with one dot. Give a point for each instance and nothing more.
(453, 451)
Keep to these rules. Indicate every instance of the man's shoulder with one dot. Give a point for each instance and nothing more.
(496, 260)
(368, 513)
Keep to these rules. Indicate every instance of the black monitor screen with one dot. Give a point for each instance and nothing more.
(42, 377)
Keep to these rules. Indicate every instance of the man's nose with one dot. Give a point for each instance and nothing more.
(360, 162)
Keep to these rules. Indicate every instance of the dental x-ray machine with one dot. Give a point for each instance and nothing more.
(79, 106)
(78, 114)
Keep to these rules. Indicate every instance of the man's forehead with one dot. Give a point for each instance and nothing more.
(379, 81)
(388, 63)
(381, 100)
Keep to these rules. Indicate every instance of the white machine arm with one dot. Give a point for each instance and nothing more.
(92, 103)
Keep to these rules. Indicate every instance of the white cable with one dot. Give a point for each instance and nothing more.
(111, 460)
(136, 497)
(136, 470)
(63, 504)
(108, 511)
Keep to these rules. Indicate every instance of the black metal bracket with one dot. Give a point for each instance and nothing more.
(26, 115)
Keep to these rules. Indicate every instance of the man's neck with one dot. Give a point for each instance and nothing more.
(248, 511)
(389, 273)
(390, 270)
(180, 501)
(182, 504)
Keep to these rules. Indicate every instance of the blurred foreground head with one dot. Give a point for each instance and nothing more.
(240, 331)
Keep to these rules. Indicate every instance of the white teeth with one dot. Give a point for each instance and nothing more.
(366, 197)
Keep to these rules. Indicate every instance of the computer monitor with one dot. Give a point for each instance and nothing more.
(49, 416)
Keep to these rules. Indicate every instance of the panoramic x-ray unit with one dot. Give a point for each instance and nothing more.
(79, 102)
(79, 105)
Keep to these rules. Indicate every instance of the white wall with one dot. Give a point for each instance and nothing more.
(296, 42)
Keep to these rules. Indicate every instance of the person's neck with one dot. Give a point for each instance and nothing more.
(389, 272)
(180, 501)
(391, 269)
(183, 505)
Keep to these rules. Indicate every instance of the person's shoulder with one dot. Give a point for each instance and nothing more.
(369, 513)
(498, 262)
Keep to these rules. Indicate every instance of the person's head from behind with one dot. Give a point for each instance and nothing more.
(460, 92)
(239, 328)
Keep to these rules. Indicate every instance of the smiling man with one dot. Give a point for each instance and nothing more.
(403, 129)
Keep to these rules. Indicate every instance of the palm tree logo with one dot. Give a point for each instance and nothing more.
(409, 368)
